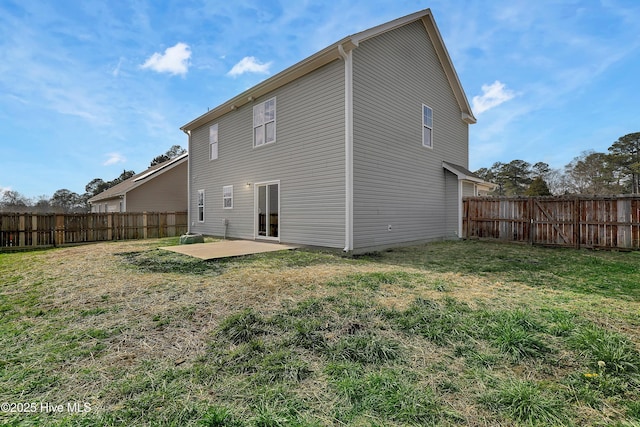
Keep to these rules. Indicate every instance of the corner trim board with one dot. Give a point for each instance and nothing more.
(348, 146)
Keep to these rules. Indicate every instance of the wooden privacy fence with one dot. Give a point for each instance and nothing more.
(37, 230)
(597, 222)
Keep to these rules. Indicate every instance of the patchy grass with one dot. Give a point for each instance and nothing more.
(454, 333)
(609, 274)
(528, 403)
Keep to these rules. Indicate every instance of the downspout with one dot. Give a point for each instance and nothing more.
(348, 147)
(188, 132)
(460, 210)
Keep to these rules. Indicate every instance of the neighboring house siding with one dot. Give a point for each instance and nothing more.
(307, 158)
(165, 192)
(107, 205)
(468, 189)
(397, 181)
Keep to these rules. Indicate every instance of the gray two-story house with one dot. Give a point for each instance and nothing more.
(361, 146)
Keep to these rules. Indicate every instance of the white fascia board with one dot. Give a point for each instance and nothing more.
(170, 165)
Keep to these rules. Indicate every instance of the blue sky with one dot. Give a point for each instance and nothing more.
(90, 88)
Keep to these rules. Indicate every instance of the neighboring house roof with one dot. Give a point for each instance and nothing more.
(139, 179)
(334, 52)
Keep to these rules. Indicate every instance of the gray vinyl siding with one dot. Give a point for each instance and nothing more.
(452, 200)
(397, 181)
(307, 158)
(166, 192)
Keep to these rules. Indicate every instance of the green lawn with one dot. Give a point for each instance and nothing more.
(465, 333)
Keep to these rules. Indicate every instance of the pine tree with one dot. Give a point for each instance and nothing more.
(538, 187)
(626, 156)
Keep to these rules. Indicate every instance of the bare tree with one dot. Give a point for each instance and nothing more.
(12, 201)
(593, 173)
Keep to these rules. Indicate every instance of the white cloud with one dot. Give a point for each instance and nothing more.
(114, 158)
(116, 71)
(174, 61)
(492, 96)
(249, 64)
(3, 189)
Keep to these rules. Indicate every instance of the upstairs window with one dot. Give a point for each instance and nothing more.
(227, 197)
(213, 142)
(427, 126)
(200, 205)
(264, 122)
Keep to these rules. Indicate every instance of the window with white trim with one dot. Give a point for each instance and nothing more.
(200, 205)
(264, 122)
(227, 197)
(427, 126)
(213, 142)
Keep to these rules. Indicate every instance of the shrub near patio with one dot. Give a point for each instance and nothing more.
(452, 333)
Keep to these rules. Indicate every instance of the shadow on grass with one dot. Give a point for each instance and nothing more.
(609, 274)
(162, 261)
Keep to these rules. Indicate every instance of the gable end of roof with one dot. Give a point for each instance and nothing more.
(332, 53)
(122, 188)
(441, 50)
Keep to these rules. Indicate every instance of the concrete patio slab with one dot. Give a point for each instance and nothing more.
(228, 248)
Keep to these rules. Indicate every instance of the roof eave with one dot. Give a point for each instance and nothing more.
(96, 199)
(462, 175)
(441, 50)
(290, 74)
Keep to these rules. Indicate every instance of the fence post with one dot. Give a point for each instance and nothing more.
(34, 230)
(577, 214)
(22, 230)
(54, 233)
(109, 226)
(171, 224)
(467, 207)
(530, 222)
(465, 218)
(144, 225)
(60, 231)
(624, 217)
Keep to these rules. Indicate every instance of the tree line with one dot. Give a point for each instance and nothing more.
(66, 201)
(591, 173)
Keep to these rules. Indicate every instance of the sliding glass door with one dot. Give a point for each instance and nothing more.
(268, 210)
